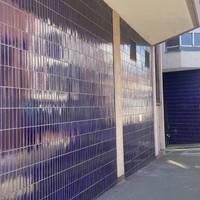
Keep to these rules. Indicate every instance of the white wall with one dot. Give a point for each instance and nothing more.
(180, 60)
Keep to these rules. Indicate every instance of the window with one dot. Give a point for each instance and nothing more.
(186, 42)
(197, 39)
(186, 39)
(172, 42)
(133, 51)
(147, 59)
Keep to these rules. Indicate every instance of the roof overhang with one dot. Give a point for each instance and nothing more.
(158, 20)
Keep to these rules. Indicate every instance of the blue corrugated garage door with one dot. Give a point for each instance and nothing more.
(182, 106)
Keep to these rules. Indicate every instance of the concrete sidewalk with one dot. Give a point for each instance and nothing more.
(175, 176)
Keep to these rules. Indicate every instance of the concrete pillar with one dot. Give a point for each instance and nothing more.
(159, 126)
(156, 130)
(118, 97)
(161, 106)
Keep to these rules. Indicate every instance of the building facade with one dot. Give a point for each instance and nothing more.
(181, 67)
(182, 52)
(77, 95)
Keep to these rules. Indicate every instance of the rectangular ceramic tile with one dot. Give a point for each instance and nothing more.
(137, 101)
(57, 125)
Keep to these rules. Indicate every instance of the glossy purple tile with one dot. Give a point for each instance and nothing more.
(137, 101)
(57, 127)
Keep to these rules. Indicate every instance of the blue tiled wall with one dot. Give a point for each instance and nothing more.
(137, 103)
(57, 126)
(57, 115)
(182, 106)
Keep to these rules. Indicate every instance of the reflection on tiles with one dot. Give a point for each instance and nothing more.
(57, 127)
(137, 101)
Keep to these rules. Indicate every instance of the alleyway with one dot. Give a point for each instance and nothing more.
(175, 176)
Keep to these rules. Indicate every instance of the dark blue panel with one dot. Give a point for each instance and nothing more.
(182, 106)
(137, 103)
(57, 116)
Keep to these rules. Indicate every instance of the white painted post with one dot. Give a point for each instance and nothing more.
(156, 132)
(161, 114)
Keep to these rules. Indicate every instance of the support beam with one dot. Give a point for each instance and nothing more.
(118, 97)
(156, 129)
(161, 106)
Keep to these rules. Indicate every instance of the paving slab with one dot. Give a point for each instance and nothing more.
(174, 176)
